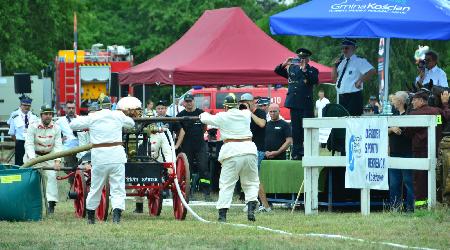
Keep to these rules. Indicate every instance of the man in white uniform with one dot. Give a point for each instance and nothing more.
(44, 137)
(350, 72)
(320, 104)
(238, 156)
(70, 138)
(18, 122)
(107, 156)
(432, 72)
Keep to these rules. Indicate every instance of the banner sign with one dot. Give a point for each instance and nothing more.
(367, 153)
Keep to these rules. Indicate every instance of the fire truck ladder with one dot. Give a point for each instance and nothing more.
(69, 81)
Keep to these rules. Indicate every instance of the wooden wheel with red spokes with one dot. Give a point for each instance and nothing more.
(102, 210)
(155, 201)
(80, 188)
(183, 177)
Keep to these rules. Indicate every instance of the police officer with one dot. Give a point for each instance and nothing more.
(107, 156)
(19, 122)
(44, 137)
(238, 156)
(301, 78)
(350, 72)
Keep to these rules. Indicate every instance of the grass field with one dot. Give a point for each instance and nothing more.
(63, 230)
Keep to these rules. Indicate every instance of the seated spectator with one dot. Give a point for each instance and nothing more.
(278, 135)
(375, 105)
(400, 146)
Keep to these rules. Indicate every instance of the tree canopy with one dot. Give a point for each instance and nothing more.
(34, 31)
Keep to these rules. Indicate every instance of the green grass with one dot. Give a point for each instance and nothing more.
(62, 230)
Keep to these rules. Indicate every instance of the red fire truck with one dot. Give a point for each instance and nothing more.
(95, 72)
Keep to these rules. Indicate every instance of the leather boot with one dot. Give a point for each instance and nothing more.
(116, 215)
(51, 207)
(90, 216)
(223, 215)
(139, 208)
(251, 210)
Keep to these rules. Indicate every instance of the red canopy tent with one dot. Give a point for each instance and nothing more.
(224, 47)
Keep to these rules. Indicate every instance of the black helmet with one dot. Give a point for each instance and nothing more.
(230, 101)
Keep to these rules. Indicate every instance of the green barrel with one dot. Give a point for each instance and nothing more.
(20, 194)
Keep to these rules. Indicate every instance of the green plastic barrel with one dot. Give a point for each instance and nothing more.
(20, 194)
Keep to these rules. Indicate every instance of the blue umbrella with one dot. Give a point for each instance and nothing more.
(410, 19)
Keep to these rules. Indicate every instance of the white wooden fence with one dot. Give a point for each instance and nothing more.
(312, 161)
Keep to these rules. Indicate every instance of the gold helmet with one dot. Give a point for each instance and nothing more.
(104, 101)
(230, 101)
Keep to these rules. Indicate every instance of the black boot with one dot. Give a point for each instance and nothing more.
(51, 207)
(90, 216)
(251, 210)
(223, 215)
(139, 208)
(116, 215)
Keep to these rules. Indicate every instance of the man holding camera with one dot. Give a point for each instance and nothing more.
(428, 70)
(350, 72)
(299, 100)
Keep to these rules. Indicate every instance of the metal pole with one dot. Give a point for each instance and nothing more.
(387, 109)
(143, 99)
(173, 101)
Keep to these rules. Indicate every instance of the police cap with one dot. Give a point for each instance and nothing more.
(188, 97)
(303, 53)
(161, 103)
(263, 101)
(348, 42)
(25, 100)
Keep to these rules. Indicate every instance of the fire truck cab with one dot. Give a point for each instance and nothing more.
(82, 78)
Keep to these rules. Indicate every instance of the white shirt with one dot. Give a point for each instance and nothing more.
(320, 104)
(70, 141)
(178, 109)
(11, 116)
(105, 126)
(159, 146)
(355, 69)
(437, 74)
(17, 124)
(233, 124)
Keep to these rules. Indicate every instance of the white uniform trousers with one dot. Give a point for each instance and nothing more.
(245, 167)
(116, 175)
(51, 186)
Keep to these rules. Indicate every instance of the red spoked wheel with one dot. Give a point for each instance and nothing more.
(102, 210)
(79, 187)
(155, 201)
(183, 176)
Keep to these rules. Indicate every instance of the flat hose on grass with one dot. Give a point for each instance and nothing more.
(56, 155)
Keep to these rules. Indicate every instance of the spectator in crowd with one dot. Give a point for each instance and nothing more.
(431, 72)
(350, 72)
(149, 111)
(175, 108)
(301, 79)
(70, 138)
(191, 142)
(18, 124)
(161, 111)
(320, 104)
(373, 102)
(257, 127)
(44, 137)
(400, 146)
(419, 138)
(278, 135)
(263, 103)
(238, 156)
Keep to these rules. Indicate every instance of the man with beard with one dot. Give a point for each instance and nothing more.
(43, 138)
(70, 138)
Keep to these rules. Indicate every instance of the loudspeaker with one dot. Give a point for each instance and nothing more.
(22, 83)
(114, 90)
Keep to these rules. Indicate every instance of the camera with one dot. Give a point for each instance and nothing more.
(242, 106)
(295, 60)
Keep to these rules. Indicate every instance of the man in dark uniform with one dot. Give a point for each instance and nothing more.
(192, 142)
(301, 78)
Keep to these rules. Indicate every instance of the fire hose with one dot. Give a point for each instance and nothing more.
(55, 155)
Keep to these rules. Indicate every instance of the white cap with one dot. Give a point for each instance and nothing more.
(246, 97)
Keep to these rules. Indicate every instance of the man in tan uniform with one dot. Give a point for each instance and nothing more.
(44, 137)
